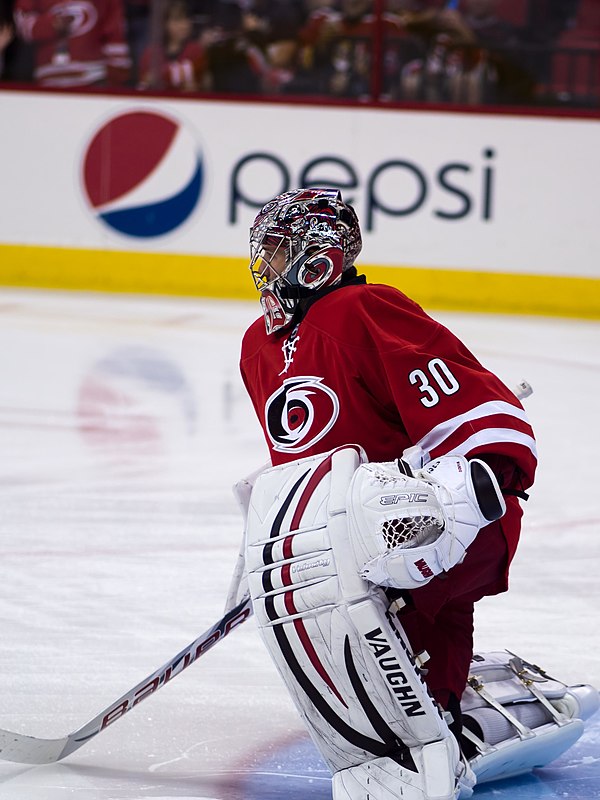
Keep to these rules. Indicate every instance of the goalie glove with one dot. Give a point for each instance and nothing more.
(406, 529)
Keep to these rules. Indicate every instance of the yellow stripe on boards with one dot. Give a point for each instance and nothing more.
(221, 276)
(118, 271)
(494, 292)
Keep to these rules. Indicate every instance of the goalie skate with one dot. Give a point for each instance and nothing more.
(516, 718)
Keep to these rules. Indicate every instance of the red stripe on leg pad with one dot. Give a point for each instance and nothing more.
(309, 648)
(286, 580)
(315, 479)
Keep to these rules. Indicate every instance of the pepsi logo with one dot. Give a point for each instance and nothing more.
(142, 174)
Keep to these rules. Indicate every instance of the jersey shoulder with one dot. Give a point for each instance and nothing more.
(382, 314)
(364, 315)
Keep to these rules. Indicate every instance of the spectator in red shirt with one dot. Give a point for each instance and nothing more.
(77, 42)
(179, 61)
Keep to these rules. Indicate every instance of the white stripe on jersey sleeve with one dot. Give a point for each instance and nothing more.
(493, 436)
(437, 435)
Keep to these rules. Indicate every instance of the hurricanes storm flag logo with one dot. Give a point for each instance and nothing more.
(300, 413)
(142, 174)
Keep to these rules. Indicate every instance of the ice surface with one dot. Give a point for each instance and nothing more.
(123, 425)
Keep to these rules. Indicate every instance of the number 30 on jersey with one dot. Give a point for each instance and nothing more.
(435, 378)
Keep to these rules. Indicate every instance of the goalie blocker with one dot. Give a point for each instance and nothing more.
(324, 534)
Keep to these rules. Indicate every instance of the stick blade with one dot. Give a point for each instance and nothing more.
(31, 750)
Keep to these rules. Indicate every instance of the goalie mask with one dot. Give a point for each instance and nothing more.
(300, 242)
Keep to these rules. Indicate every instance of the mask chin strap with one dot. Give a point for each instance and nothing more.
(289, 292)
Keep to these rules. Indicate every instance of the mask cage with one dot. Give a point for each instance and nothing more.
(270, 259)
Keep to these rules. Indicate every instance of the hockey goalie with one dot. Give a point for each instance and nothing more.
(391, 506)
(329, 540)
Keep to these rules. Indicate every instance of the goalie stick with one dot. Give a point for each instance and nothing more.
(34, 750)
(25, 749)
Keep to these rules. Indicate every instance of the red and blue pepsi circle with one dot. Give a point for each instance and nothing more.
(142, 173)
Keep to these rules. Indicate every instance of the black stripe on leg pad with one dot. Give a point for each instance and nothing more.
(276, 528)
(270, 608)
(398, 750)
(267, 554)
(337, 723)
(267, 583)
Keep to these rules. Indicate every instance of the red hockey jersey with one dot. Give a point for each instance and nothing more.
(367, 365)
(91, 48)
(183, 71)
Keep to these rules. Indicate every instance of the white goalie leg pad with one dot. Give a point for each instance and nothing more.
(238, 585)
(348, 669)
(385, 779)
(518, 718)
(405, 529)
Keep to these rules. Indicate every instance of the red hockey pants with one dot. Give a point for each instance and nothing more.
(440, 618)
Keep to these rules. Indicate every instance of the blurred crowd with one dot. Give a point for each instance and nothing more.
(459, 51)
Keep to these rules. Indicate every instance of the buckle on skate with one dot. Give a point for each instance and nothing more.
(475, 682)
(522, 670)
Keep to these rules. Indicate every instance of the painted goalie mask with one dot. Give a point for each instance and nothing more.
(300, 242)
